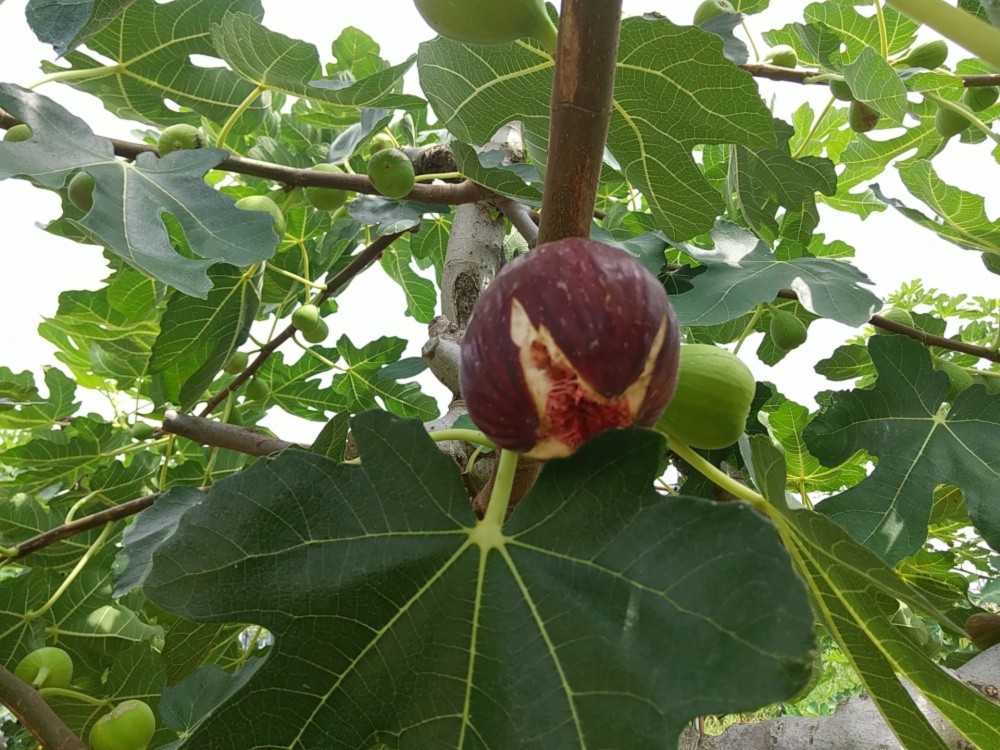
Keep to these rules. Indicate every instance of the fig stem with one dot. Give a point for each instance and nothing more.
(719, 477)
(977, 36)
(439, 176)
(883, 36)
(220, 141)
(500, 497)
(469, 436)
(81, 564)
(54, 692)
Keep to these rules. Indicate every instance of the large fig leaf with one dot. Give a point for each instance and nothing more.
(741, 272)
(22, 407)
(674, 90)
(130, 199)
(601, 615)
(918, 447)
(151, 44)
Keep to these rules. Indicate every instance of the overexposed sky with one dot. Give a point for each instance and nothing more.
(36, 266)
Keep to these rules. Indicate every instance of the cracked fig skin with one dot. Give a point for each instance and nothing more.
(572, 339)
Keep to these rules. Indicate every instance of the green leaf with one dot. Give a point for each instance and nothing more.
(19, 595)
(961, 216)
(391, 216)
(875, 82)
(918, 447)
(768, 179)
(150, 45)
(594, 579)
(22, 407)
(489, 168)
(296, 388)
(66, 24)
(188, 645)
(332, 439)
(197, 337)
(363, 382)
(289, 66)
(131, 198)
(421, 295)
(848, 362)
(476, 90)
(742, 272)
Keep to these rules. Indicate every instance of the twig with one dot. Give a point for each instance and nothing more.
(799, 75)
(451, 194)
(80, 525)
(361, 261)
(36, 715)
(519, 215)
(221, 435)
(582, 91)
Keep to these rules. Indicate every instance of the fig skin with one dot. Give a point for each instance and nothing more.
(484, 22)
(180, 137)
(48, 666)
(711, 9)
(81, 191)
(128, 726)
(326, 199)
(263, 203)
(841, 91)
(578, 307)
(979, 98)
(861, 117)
(20, 133)
(391, 173)
(783, 56)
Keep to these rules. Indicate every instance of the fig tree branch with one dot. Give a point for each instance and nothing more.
(798, 75)
(35, 714)
(221, 435)
(360, 262)
(447, 194)
(582, 92)
(80, 525)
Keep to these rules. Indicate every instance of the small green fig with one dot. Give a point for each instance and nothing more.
(929, 55)
(326, 199)
(46, 667)
(306, 318)
(783, 56)
(787, 331)
(17, 134)
(181, 137)
(896, 315)
(237, 363)
(710, 9)
(142, 431)
(949, 123)
(391, 173)
(81, 191)
(861, 117)
(128, 726)
(318, 334)
(258, 390)
(263, 203)
(380, 142)
(978, 98)
(483, 22)
(841, 91)
(958, 377)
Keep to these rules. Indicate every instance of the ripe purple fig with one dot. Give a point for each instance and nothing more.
(572, 339)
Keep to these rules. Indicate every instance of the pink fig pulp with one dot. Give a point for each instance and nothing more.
(572, 339)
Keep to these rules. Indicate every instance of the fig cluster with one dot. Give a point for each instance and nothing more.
(572, 339)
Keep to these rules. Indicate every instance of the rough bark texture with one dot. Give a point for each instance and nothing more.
(219, 434)
(443, 352)
(475, 252)
(856, 725)
(34, 713)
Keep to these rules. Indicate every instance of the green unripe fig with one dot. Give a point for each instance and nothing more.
(976, 98)
(181, 137)
(787, 331)
(783, 56)
(929, 55)
(318, 334)
(949, 123)
(142, 431)
(46, 667)
(380, 142)
(237, 363)
(258, 390)
(896, 315)
(484, 22)
(306, 318)
(712, 402)
(81, 191)
(128, 726)
(710, 9)
(841, 91)
(326, 199)
(861, 117)
(959, 378)
(263, 203)
(17, 134)
(391, 172)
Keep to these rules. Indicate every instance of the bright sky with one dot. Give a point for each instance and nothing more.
(37, 266)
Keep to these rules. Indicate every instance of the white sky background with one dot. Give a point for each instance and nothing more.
(36, 266)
